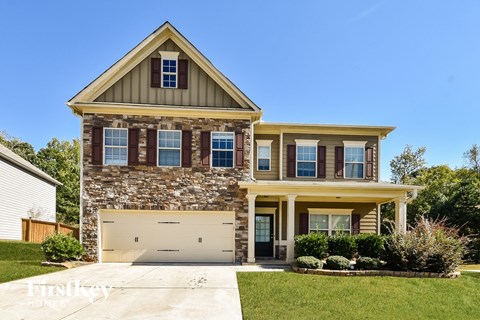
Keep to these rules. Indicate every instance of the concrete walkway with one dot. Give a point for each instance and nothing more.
(124, 291)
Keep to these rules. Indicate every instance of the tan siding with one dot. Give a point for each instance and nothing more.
(134, 87)
(367, 211)
(274, 165)
(330, 141)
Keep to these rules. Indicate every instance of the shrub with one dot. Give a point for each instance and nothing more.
(312, 244)
(430, 246)
(60, 247)
(370, 245)
(367, 263)
(309, 262)
(342, 244)
(337, 263)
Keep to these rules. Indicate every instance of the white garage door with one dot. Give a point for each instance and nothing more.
(168, 236)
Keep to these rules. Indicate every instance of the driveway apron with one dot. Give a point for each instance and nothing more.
(125, 291)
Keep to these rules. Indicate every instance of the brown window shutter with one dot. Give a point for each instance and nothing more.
(291, 160)
(355, 223)
(369, 163)
(303, 223)
(156, 72)
(182, 74)
(321, 162)
(205, 148)
(186, 148)
(239, 149)
(133, 147)
(151, 147)
(97, 145)
(339, 162)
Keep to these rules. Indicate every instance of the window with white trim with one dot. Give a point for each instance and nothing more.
(330, 221)
(169, 148)
(306, 158)
(115, 146)
(354, 159)
(222, 149)
(169, 69)
(264, 154)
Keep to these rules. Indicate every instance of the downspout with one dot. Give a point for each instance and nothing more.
(413, 197)
(252, 144)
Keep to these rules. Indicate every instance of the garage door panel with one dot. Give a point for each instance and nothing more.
(187, 237)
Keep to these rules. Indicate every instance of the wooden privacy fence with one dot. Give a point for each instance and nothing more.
(36, 230)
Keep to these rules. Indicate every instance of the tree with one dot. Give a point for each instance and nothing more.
(407, 165)
(23, 149)
(472, 156)
(60, 159)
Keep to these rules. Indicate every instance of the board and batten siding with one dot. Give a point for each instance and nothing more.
(330, 141)
(274, 158)
(21, 192)
(135, 87)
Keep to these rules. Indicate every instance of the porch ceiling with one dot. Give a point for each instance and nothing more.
(350, 191)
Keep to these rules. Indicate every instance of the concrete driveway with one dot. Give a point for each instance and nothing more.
(124, 291)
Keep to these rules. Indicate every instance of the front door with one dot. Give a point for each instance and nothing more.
(264, 235)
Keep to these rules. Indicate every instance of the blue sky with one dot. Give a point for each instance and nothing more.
(411, 64)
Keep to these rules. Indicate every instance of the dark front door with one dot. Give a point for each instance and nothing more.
(264, 235)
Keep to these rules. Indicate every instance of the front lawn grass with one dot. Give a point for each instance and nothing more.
(20, 259)
(287, 295)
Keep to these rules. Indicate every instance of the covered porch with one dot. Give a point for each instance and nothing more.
(279, 210)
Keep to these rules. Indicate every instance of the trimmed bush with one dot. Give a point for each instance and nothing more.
(309, 262)
(312, 244)
(430, 247)
(337, 263)
(342, 244)
(367, 263)
(60, 247)
(370, 245)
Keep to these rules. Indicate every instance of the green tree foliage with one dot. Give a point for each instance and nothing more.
(407, 165)
(60, 160)
(23, 149)
(449, 193)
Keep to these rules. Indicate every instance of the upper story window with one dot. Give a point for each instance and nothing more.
(306, 158)
(169, 69)
(222, 149)
(115, 146)
(264, 155)
(169, 145)
(354, 159)
(329, 221)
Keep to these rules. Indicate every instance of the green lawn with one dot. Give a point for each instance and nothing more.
(287, 295)
(20, 259)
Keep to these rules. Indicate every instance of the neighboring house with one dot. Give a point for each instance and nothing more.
(177, 166)
(25, 192)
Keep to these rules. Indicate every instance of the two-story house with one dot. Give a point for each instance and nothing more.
(177, 166)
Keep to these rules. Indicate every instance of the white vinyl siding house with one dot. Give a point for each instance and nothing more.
(25, 191)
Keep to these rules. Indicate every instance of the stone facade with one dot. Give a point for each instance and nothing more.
(163, 188)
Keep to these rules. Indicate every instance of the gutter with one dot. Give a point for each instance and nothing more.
(252, 144)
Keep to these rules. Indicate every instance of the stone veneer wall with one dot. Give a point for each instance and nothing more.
(163, 188)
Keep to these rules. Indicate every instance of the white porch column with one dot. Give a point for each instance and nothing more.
(251, 227)
(401, 214)
(290, 227)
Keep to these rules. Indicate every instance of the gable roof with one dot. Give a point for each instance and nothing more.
(15, 159)
(145, 48)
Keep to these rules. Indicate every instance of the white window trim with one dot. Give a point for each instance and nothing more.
(306, 143)
(353, 144)
(164, 148)
(330, 213)
(211, 149)
(264, 143)
(119, 147)
(169, 55)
